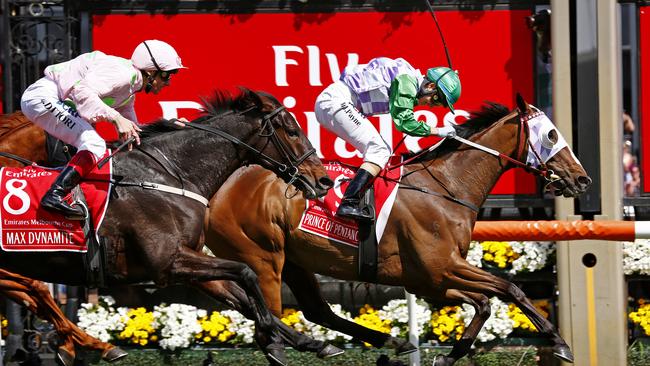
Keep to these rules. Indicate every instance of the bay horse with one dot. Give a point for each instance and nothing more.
(20, 137)
(425, 241)
(160, 243)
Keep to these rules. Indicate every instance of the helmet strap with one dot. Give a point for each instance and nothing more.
(423, 91)
(153, 60)
(149, 78)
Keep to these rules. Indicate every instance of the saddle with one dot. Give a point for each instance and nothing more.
(320, 217)
(27, 227)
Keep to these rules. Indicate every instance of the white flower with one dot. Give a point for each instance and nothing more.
(636, 257)
(177, 324)
(475, 254)
(101, 319)
(397, 312)
(533, 255)
(243, 328)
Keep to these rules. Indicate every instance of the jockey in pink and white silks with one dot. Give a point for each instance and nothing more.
(94, 87)
(383, 85)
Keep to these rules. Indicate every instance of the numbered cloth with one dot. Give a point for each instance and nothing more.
(25, 226)
(320, 217)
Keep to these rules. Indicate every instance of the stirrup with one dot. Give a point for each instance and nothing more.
(354, 212)
(63, 208)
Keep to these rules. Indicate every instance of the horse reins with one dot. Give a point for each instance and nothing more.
(522, 141)
(289, 170)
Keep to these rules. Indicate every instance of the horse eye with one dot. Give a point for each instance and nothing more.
(292, 133)
(552, 136)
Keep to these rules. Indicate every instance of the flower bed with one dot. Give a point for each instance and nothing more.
(177, 326)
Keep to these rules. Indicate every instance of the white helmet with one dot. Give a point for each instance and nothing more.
(156, 55)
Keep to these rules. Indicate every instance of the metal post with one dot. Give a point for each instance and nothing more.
(590, 274)
(562, 116)
(414, 336)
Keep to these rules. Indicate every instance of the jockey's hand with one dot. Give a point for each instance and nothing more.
(180, 122)
(445, 131)
(127, 129)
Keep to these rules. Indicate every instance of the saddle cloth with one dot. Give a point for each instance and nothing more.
(25, 226)
(320, 217)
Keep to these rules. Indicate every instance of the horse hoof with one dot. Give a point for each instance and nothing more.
(405, 348)
(329, 351)
(114, 354)
(442, 360)
(275, 353)
(64, 357)
(564, 353)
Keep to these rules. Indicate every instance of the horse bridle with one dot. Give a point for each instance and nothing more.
(522, 140)
(289, 171)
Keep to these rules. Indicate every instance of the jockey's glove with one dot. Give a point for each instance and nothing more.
(445, 131)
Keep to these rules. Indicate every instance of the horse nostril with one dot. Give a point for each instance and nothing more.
(325, 182)
(585, 181)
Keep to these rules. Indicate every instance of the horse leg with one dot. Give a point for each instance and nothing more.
(467, 277)
(306, 289)
(235, 296)
(36, 297)
(481, 304)
(193, 267)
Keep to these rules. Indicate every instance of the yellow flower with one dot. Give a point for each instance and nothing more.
(138, 326)
(446, 323)
(214, 327)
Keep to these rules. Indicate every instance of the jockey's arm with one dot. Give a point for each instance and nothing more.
(89, 105)
(128, 112)
(403, 91)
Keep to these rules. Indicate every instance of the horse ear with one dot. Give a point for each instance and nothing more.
(250, 99)
(521, 104)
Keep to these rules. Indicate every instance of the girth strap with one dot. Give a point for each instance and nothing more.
(163, 188)
(174, 190)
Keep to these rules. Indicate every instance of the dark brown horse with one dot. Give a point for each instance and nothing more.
(155, 236)
(426, 237)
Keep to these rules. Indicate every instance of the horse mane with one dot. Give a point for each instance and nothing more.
(479, 120)
(220, 102)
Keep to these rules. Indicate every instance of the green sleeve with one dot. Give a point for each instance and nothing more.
(403, 92)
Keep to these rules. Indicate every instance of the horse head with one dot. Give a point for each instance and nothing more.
(281, 146)
(548, 150)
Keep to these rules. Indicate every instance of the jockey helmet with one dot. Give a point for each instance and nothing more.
(155, 55)
(447, 82)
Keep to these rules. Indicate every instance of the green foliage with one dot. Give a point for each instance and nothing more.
(639, 353)
(352, 357)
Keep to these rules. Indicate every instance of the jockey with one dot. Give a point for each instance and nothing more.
(382, 86)
(91, 88)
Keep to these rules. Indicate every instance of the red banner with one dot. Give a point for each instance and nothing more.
(295, 56)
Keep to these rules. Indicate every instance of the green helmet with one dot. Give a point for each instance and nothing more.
(447, 81)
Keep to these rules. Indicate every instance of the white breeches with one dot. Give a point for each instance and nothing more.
(335, 111)
(40, 103)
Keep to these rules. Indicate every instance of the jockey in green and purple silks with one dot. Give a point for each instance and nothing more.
(383, 85)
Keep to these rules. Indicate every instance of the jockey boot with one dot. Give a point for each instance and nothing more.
(81, 164)
(54, 199)
(353, 195)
